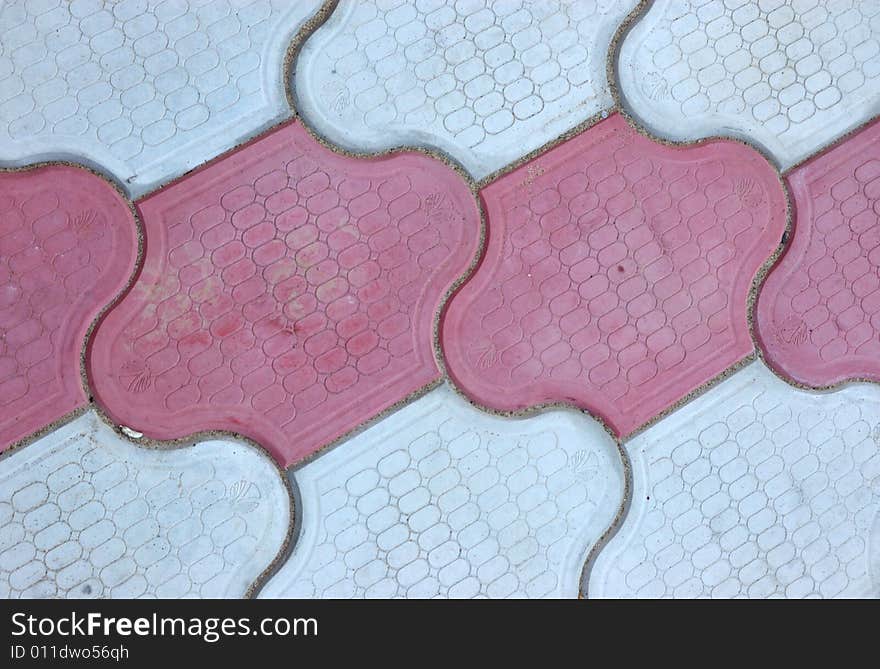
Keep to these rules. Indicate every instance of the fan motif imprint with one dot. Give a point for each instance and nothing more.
(88, 224)
(792, 331)
(135, 375)
(584, 465)
(244, 496)
(654, 87)
(486, 355)
(750, 193)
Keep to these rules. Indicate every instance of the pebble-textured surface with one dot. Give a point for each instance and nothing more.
(819, 310)
(147, 89)
(756, 489)
(791, 75)
(485, 81)
(440, 500)
(616, 275)
(288, 293)
(67, 246)
(84, 513)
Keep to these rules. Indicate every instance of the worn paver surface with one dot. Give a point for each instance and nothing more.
(819, 310)
(147, 89)
(86, 514)
(486, 82)
(441, 500)
(288, 293)
(412, 298)
(790, 76)
(756, 489)
(616, 275)
(68, 244)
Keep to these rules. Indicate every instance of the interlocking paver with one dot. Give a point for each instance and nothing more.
(291, 294)
(86, 514)
(288, 293)
(756, 489)
(440, 500)
(616, 275)
(68, 245)
(487, 82)
(818, 315)
(793, 76)
(146, 89)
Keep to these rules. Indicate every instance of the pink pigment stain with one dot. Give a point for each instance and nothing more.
(288, 294)
(616, 275)
(818, 315)
(68, 244)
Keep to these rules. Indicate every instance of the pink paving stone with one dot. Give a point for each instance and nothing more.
(288, 294)
(818, 316)
(68, 245)
(616, 275)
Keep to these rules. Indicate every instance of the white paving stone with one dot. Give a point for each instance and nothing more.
(791, 75)
(441, 500)
(146, 89)
(756, 489)
(486, 81)
(84, 513)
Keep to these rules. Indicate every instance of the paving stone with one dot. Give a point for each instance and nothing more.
(146, 89)
(87, 514)
(440, 500)
(756, 489)
(487, 82)
(791, 76)
(291, 294)
(818, 314)
(288, 293)
(67, 246)
(616, 275)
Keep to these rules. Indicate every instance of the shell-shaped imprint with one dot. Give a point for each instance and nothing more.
(86, 514)
(147, 89)
(818, 316)
(288, 294)
(616, 275)
(67, 246)
(440, 500)
(480, 80)
(791, 76)
(756, 489)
